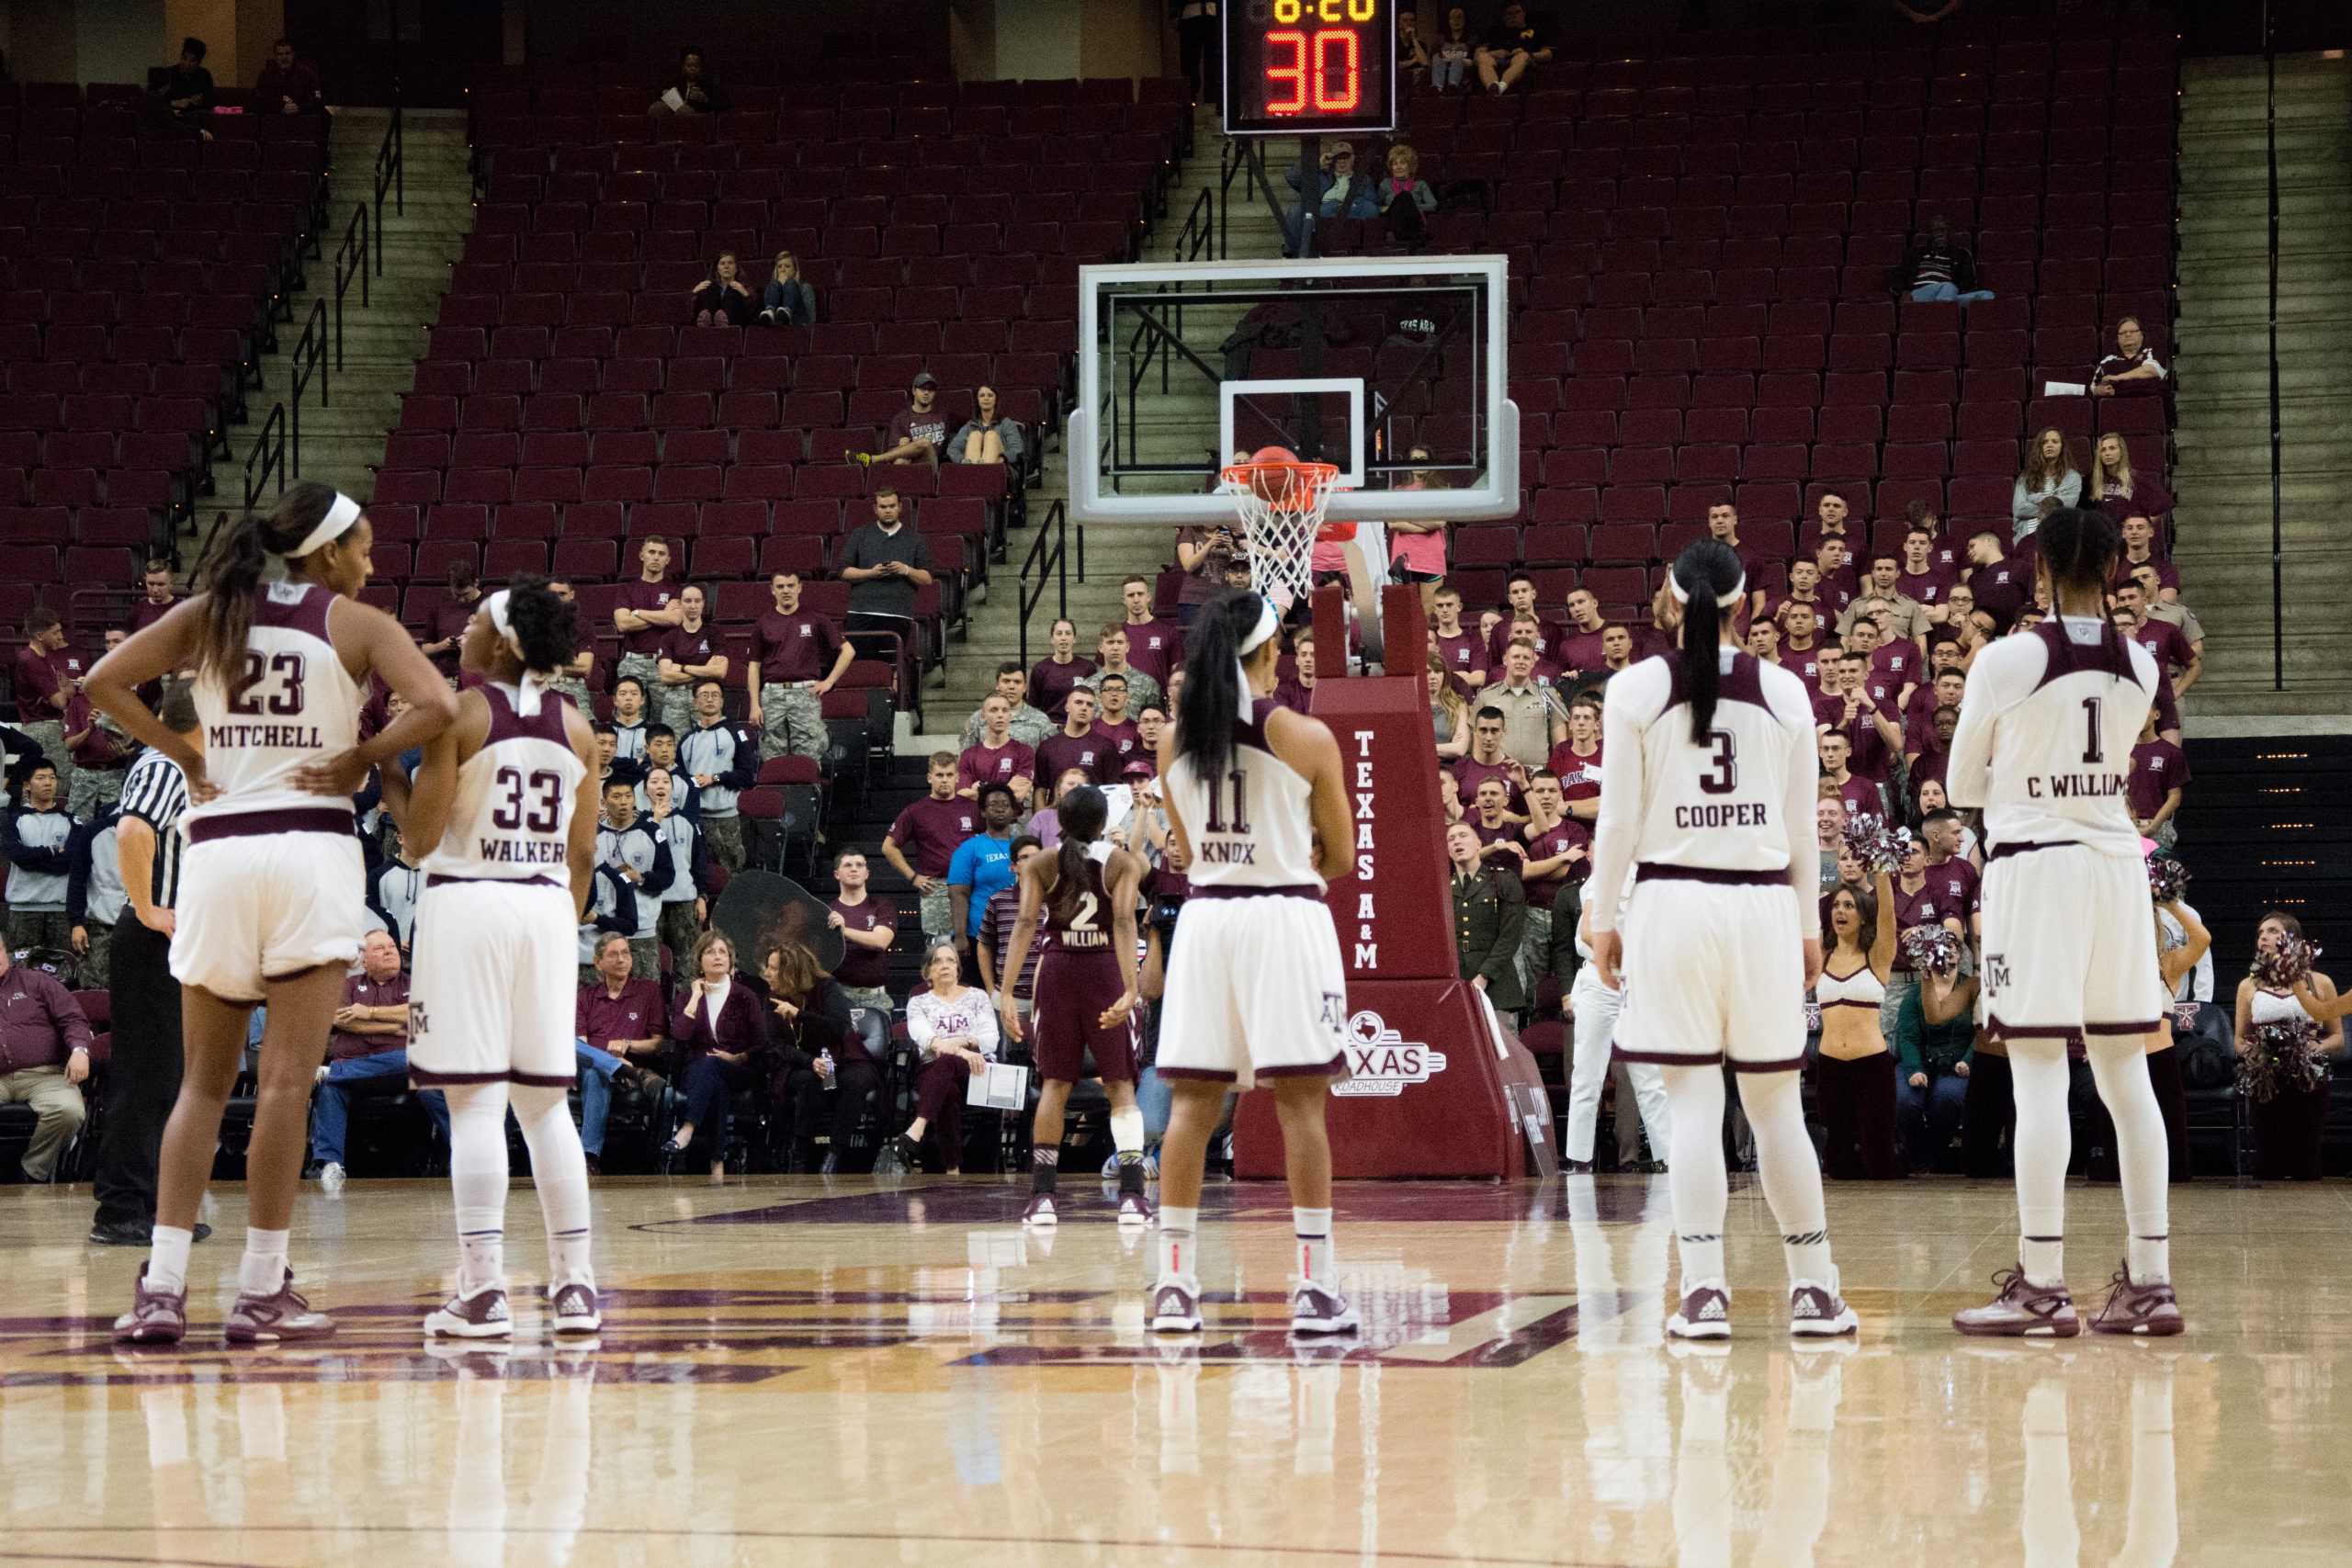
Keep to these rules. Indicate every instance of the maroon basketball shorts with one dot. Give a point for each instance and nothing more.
(1073, 992)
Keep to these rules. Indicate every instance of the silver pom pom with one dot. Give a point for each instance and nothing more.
(2167, 878)
(1880, 845)
(1933, 948)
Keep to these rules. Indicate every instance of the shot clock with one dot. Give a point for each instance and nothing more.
(1306, 67)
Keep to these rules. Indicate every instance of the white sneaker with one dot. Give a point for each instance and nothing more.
(1040, 1211)
(1816, 1309)
(330, 1177)
(480, 1316)
(1705, 1312)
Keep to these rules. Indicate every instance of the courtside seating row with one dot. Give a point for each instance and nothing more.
(139, 279)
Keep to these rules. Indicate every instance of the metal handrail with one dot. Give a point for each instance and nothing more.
(350, 262)
(310, 359)
(2277, 431)
(1047, 555)
(269, 451)
(390, 175)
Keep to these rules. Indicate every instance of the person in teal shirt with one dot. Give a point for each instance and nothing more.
(1935, 1033)
(982, 864)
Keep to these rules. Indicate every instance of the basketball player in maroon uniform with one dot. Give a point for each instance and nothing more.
(1085, 995)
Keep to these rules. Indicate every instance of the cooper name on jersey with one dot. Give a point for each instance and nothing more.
(2075, 786)
(297, 736)
(1749, 814)
(519, 852)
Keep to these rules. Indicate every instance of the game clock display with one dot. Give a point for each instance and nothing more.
(1305, 67)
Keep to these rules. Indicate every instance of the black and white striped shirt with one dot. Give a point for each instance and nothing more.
(155, 792)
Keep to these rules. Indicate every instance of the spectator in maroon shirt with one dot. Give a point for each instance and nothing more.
(2168, 705)
(691, 653)
(1296, 690)
(1859, 795)
(919, 431)
(2116, 489)
(620, 1025)
(1078, 744)
(2165, 640)
(643, 612)
(1580, 649)
(1488, 759)
(2002, 587)
(868, 924)
(1462, 648)
(1921, 577)
(1865, 716)
(1942, 553)
(1559, 847)
(797, 656)
(1945, 834)
(1829, 514)
(1519, 599)
(1058, 673)
(932, 828)
(2159, 773)
(1805, 588)
(158, 599)
(996, 757)
(1616, 647)
(1764, 639)
(287, 86)
(1933, 764)
(368, 1052)
(1944, 691)
(1574, 763)
(1802, 652)
(1112, 722)
(2139, 550)
(1154, 646)
(1497, 826)
(48, 676)
(44, 1058)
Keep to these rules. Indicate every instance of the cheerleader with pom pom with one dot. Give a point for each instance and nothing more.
(2283, 1050)
(1854, 1077)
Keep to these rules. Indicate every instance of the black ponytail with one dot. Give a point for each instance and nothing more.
(1705, 572)
(1212, 695)
(547, 628)
(231, 573)
(1081, 813)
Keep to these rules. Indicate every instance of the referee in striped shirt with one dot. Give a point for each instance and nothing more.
(143, 1071)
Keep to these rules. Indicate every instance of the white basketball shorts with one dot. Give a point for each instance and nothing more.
(493, 993)
(1713, 970)
(2070, 945)
(1255, 989)
(257, 908)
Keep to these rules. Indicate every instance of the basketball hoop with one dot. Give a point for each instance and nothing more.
(1280, 501)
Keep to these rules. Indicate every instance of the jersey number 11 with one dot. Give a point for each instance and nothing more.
(1240, 783)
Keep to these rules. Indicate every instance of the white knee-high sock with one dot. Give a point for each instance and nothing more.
(2044, 1142)
(478, 1181)
(1695, 1174)
(2120, 1068)
(1789, 1172)
(560, 1172)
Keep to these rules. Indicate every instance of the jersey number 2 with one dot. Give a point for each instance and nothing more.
(1723, 776)
(285, 702)
(1240, 783)
(1084, 920)
(546, 807)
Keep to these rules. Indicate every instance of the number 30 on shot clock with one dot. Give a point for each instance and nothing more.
(1305, 67)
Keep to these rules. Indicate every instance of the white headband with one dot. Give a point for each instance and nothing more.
(1270, 621)
(527, 690)
(332, 526)
(1723, 600)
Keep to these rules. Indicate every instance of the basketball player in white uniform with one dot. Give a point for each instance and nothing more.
(1256, 989)
(507, 797)
(1596, 1004)
(1706, 802)
(272, 893)
(2044, 747)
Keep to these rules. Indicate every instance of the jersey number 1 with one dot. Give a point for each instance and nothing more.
(1240, 783)
(2091, 751)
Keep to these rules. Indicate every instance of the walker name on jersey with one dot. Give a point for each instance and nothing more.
(519, 852)
(2075, 786)
(297, 736)
(1382, 1061)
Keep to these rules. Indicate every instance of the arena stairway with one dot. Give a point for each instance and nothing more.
(2267, 824)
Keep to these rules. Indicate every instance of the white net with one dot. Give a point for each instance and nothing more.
(1281, 506)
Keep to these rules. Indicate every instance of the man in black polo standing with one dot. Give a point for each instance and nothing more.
(143, 1073)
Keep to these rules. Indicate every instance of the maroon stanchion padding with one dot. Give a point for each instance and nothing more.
(1427, 1095)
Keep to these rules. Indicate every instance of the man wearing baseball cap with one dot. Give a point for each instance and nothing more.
(917, 432)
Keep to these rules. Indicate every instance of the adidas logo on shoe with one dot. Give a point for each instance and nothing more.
(1714, 1310)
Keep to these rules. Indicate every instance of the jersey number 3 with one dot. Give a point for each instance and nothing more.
(545, 807)
(1722, 777)
(285, 700)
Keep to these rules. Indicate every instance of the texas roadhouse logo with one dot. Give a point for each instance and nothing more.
(1382, 1061)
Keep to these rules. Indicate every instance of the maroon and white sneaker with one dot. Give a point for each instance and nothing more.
(281, 1318)
(1820, 1309)
(1314, 1310)
(574, 1306)
(2022, 1311)
(480, 1316)
(1175, 1308)
(1135, 1209)
(156, 1316)
(1706, 1313)
(1040, 1211)
(2134, 1308)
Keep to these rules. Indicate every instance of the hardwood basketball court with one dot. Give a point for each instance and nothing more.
(857, 1373)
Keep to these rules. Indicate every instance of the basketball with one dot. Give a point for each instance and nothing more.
(1272, 485)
